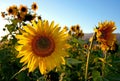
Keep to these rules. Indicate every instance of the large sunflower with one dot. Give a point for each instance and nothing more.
(42, 45)
(104, 34)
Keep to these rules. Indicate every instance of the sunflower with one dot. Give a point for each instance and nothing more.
(77, 28)
(34, 6)
(80, 34)
(42, 45)
(85, 46)
(23, 11)
(104, 34)
(3, 14)
(72, 28)
(15, 10)
(65, 28)
(12, 10)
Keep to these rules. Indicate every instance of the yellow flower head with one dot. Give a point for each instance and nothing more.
(34, 6)
(104, 34)
(42, 45)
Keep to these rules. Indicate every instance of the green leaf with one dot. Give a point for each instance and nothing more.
(102, 59)
(42, 78)
(104, 79)
(77, 40)
(24, 68)
(116, 61)
(14, 21)
(10, 27)
(4, 38)
(14, 40)
(114, 77)
(22, 77)
(72, 61)
(96, 76)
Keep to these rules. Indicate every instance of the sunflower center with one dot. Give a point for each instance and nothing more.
(43, 46)
(23, 9)
(35, 6)
(43, 43)
(10, 11)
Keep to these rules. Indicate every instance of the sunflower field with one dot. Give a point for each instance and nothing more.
(39, 50)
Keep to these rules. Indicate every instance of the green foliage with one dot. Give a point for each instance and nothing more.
(96, 76)
(8, 63)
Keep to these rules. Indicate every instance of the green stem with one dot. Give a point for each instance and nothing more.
(88, 56)
(103, 64)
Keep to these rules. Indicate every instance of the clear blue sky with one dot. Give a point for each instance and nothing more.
(86, 13)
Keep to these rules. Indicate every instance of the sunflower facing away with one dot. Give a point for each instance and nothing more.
(42, 45)
(104, 34)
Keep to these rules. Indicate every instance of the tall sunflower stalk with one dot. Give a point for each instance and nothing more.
(106, 38)
(103, 63)
(88, 56)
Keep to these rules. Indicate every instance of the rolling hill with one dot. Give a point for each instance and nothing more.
(88, 35)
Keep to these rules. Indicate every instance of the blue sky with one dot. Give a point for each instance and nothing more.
(86, 13)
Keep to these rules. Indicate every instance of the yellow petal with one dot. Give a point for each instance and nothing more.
(22, 42)
(33, 64)
(39, 28)
(46, 27)
(34, 24)
(29, 29)
(26, 57)
(18, 48)
(42, 68)
(52, 25)
(21, 37)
